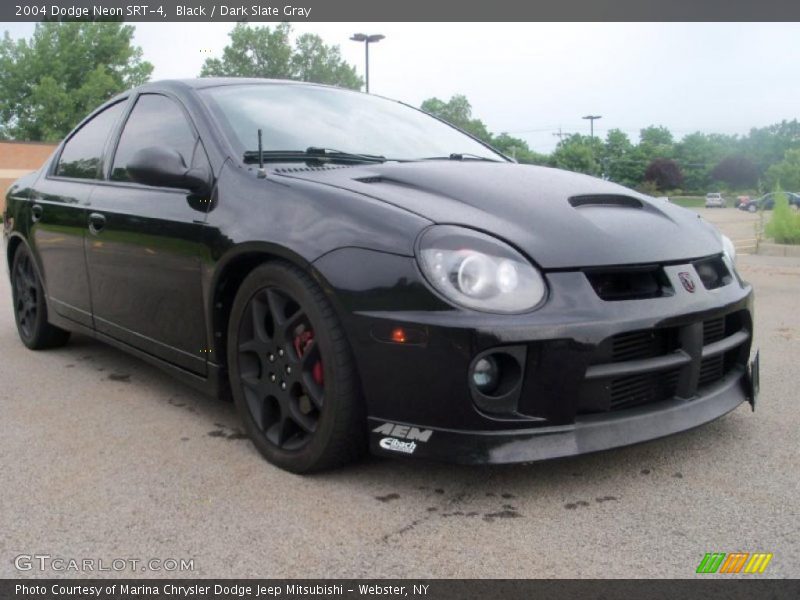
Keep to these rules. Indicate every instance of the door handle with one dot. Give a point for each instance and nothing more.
(96, 223)
(36, 212)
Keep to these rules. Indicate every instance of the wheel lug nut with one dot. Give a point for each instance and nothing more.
(271, 357)
(280, 352)
(288, 370)
(283, 385)
(272, 377)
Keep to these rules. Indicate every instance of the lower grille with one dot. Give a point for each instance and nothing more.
(713, 330)
(633, 390)
(645, 366)
(711, 370)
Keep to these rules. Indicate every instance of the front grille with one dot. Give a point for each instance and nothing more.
(640, 282)
(636, 344)
(633, 390)
(712, 272)
(629, 283)
(645, 366)
(711, 370)
(713, 330)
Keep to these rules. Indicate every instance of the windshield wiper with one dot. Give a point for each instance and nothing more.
(462, 156)
(311, 153)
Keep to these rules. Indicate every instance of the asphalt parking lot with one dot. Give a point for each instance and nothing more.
(105, 457)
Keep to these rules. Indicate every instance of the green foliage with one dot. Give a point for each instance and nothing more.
(50, 82)
(784, 226)
(786, 173)
(268, 52)
(518, 149)
(458, 112)
(622, 161)
(578, 153)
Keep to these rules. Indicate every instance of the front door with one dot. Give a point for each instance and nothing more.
(145, 244)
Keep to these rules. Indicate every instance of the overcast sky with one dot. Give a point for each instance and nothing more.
(529, 79)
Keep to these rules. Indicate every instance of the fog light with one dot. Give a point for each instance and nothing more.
(486, 375)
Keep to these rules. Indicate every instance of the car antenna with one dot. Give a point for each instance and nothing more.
(262, 174)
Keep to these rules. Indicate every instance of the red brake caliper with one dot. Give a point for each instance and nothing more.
(301, 343)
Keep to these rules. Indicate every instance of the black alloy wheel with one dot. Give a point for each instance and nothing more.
(30, 308)
(26, 294)
(280, 366)
(291, 372)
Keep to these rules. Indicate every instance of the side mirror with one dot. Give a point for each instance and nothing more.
(164, 167)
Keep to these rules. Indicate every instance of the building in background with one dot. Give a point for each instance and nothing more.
(18, 159)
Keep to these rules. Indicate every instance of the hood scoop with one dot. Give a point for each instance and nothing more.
(610, 200)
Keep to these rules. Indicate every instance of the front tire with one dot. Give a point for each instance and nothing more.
(292, 373)
(30, 308)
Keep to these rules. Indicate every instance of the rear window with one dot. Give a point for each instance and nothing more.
(82, 156)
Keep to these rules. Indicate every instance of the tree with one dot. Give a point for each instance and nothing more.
(268, 52)
(578, 153)
(656, 142)
(458, 112)
(518, 149)
(664, 173)
(785, 174)
(737, 170)
(50, 82)
(620, 159)
(766, 146)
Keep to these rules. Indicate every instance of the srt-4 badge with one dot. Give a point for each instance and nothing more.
(406, 432)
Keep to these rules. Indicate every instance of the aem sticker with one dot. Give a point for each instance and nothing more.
(397, 433)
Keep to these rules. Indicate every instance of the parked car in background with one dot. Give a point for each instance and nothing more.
(715, 200)
(767, 202)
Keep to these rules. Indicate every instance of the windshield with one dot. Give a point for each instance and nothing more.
(295, 117)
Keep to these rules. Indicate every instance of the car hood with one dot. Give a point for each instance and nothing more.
(558, 218)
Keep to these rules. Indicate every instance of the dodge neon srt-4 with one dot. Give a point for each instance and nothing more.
(357, 274)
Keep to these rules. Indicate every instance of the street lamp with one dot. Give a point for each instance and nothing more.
(367, 39)
(591, 122)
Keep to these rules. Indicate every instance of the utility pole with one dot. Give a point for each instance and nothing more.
(592, 119)
(367, 39)
(561, 134)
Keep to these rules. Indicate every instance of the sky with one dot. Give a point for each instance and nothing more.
(532, 79)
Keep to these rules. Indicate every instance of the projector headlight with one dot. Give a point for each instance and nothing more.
(477, 271)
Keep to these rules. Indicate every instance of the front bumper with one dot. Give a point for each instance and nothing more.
(594, 374)
(589, 433)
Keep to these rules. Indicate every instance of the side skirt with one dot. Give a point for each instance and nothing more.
(213, 385)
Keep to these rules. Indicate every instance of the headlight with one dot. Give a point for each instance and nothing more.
(729, 249)
(478, 271)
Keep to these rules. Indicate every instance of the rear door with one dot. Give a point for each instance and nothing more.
(58, 214)
(145, 244)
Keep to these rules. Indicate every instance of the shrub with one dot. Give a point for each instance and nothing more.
(784, 226)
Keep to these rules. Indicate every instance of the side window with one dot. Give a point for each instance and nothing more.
(82, 156)
(154, 121)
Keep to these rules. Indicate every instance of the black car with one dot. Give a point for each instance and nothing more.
(356, 273)
(767, 202)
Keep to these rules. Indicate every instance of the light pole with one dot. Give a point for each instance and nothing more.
(367, 39)
(591, 122)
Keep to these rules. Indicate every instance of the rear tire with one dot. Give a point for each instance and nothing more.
(292, 373)
(30, 308)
